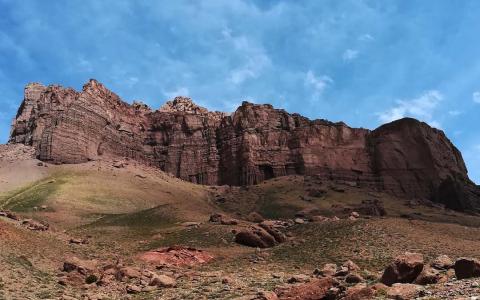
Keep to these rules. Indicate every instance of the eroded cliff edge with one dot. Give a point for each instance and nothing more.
(406, 158)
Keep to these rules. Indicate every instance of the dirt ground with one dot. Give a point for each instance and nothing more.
(117, 215)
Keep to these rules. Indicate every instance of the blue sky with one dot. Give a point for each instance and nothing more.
(362, 62)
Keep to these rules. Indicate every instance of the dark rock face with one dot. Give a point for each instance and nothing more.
(257, 142)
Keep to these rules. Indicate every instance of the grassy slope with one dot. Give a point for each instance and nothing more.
(125, 214)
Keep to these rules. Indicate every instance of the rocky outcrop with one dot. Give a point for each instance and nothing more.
(406, 158)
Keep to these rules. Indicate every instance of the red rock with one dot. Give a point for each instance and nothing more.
(467, 268)
(359, 292)
(255, 217)
(406, 158)
(177, 256)
(255, 236)
(404, 269)
(428, 276)
(314, 290)
(403, 291)
(442, 262)
(163, 281)
(81, 266)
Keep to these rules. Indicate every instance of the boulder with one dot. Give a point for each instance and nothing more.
(255, 236)
(403, 291)
(442, 262)
(354, 278)
(351, 266)
(313, 290)
(327, 270)
(279, 236)
(35, 225)
(359, 292)
(255, 217)
(467, 268)
(129, 273)
(404, 269)
(84, 267)
(428, 276)
(163, 281)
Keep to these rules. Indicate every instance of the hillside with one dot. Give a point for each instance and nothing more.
(405, 158)
(119, 212)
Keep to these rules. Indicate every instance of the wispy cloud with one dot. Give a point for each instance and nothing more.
(350, 54)
(254, 57)
(366, 38)
(476, 97)
(422, 107)
(454, 113)
(319, 84)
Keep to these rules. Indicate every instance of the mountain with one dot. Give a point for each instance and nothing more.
(405, 158)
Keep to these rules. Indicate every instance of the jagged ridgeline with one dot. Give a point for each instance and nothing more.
(406, 158)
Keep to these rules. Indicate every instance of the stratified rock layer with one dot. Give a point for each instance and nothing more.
(255, 143)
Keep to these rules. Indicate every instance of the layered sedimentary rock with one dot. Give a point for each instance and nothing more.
(255, 143)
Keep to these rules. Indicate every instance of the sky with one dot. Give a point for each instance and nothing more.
(361, 62)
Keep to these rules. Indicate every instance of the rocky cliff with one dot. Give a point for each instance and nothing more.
(257, 142)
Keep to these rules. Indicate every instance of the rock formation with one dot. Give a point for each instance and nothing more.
(406, 158)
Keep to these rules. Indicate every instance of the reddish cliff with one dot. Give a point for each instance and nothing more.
(257, 142)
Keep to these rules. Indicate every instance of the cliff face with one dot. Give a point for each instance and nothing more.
(257, 142)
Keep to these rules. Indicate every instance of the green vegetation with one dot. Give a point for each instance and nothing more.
(26, 198)
(271, 207)
(91, 279)
(195, 237)
(143, 222)
(331, 242)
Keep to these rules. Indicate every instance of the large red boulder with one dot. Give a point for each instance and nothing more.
(467, 268)
(404, 269)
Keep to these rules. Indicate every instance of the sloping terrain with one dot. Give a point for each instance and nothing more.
(120, 213)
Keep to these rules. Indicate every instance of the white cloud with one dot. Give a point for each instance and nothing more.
(349, 54)
(84, 65)
(179, 91)
(476, 97)
(366, 38)
(454, 113)
(319, 84)
(255, 59)
(421, 108)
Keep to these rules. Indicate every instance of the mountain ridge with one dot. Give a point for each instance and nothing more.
(406, 158)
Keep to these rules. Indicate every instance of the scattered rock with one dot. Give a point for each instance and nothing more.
(313, 290)
(128, 272)
(255, 236)
(404, 269)
(35, 225)
(403, 291)
(442, 262)
(372, 208)
(327, 270)
(177, 256)
(255, 217)
(351, 266)
(299, 221)
(84, 267)
(133, 289)
(427, 276)
(354, 278)
(298, 278)
(191, 224)
(359, 292)
(163, 281)
(467, 268)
